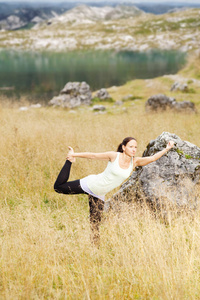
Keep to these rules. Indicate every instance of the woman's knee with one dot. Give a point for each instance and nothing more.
(62, 189)
(56, 188)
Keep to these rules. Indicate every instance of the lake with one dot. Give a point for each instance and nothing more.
(43, 75)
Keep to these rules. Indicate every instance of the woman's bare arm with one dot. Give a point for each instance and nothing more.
(111, 155)
(143, 161)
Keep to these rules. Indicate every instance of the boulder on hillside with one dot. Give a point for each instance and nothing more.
(183, 87)
(102, 94)
(185, 105)
(72, 95)
(162, 102)
(173, 179)
(159, 102)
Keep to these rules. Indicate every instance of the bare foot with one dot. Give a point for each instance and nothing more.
(69, 156)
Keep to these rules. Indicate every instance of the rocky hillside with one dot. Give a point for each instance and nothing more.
(26, 17)
(88, 14)
(17, 15)
(120, 28)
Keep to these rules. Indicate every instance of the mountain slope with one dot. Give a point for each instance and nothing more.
(119, 28)
(84, 14)
(12, 18)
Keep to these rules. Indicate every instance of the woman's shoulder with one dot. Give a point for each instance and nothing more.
(112, 155)
(135, 161)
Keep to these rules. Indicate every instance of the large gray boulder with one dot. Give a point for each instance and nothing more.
(173, 179)
(73, 95)
(163, 102)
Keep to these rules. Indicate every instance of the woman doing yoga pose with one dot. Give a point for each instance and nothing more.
(120, 166)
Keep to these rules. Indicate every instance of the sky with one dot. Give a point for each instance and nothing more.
(120, 1)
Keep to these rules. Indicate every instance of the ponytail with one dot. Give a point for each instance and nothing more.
(124, 142)
(119, 149)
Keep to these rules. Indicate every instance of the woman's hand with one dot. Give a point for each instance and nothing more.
(170, 145)
(143, 161)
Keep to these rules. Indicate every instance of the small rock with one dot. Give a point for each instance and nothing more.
(102, 94)
(118, 102)
(23, 108)
(98, 108)
(128, 97)
(38, 105)
(183, 87)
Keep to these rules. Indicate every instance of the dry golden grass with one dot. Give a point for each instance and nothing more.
(192, 69)
(45, 247)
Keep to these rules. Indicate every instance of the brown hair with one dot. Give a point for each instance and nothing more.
(124, 143)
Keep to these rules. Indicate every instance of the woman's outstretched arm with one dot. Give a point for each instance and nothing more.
(111, 155)
(143, 161)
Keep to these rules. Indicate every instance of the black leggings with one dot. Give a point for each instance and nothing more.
(62, 185)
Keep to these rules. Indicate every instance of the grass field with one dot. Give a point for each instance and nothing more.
(45, 249)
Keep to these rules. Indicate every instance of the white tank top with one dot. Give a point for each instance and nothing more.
(113, 176)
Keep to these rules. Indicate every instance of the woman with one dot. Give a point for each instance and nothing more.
(119, 168)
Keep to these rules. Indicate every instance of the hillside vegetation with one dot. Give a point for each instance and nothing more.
(45, 244)
(143, 89)
(85, 28)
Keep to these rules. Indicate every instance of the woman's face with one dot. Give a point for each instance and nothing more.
(130, 148)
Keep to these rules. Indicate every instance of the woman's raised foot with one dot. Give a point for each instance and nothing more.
(70, 155)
